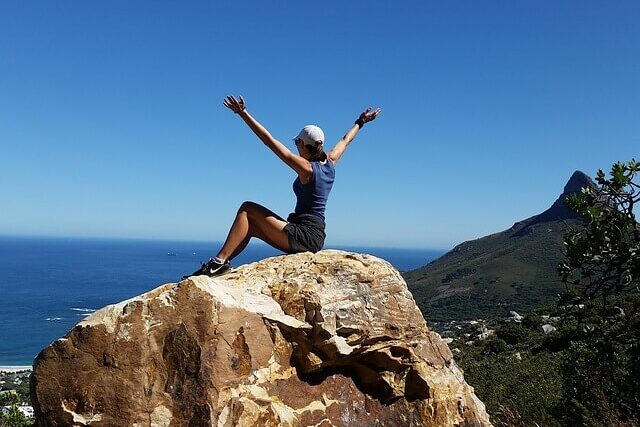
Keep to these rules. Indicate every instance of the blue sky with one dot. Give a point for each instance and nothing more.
(112, 124)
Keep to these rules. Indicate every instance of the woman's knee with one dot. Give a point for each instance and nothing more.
(259, 216)
(248, 206)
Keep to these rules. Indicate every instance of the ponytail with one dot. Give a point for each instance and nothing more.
(317, 153)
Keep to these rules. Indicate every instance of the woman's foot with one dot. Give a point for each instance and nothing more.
(211, 268)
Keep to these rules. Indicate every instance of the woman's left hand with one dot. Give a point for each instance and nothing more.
(235, 105)
(368, 115)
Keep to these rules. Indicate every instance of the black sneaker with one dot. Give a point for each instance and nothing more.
(211, 268)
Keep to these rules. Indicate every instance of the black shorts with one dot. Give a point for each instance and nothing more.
(306, 232)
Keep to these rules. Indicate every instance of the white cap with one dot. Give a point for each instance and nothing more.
(310, 134)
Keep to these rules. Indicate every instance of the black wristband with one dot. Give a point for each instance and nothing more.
(359, 122)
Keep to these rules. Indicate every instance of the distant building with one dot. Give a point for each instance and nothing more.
(26, 410)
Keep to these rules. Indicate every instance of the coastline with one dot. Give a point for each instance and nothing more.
(138, 265)
(15, 368)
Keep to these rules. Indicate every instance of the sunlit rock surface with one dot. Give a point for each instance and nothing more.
(326, 339)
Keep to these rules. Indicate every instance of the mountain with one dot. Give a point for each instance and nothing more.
(514, 269)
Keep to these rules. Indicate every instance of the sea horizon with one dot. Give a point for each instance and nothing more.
(50, 283)
(329, 245)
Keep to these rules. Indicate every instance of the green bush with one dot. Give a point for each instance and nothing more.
(601, 269)
(494, 346)
(13, 418)
(602, 377)
(513, 333)
(587, 373)
(532, 322)
(528, 391)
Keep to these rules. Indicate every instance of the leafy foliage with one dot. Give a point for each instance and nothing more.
(601, 272)
(600, 369)
(603, 258)
(513, 333)
(13, 417)
(517, 391)
(9, 398)
(587, 372)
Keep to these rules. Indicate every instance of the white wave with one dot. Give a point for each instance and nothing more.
(83, 314)
(53, 318)
(14, 368)
(83, 309)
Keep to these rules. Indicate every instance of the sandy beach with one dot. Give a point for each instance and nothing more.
(14, 368)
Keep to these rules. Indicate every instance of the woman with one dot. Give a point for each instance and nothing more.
(304, 228)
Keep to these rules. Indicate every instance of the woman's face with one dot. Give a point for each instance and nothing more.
(302, 149)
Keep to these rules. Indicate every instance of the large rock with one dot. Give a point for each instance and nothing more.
(326, 339)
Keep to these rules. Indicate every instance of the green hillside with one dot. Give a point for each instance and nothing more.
(514, 269)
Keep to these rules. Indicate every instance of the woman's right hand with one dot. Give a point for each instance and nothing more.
(235, 105)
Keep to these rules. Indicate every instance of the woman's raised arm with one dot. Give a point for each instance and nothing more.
(366, 116)
(297, 163)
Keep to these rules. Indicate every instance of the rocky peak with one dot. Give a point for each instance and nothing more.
(559, 211)
(577, 181)
(308, 339)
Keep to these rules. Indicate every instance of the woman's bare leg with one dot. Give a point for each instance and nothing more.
(254, 220)
(238, 249)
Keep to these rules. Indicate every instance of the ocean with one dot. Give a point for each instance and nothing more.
(47, 285)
